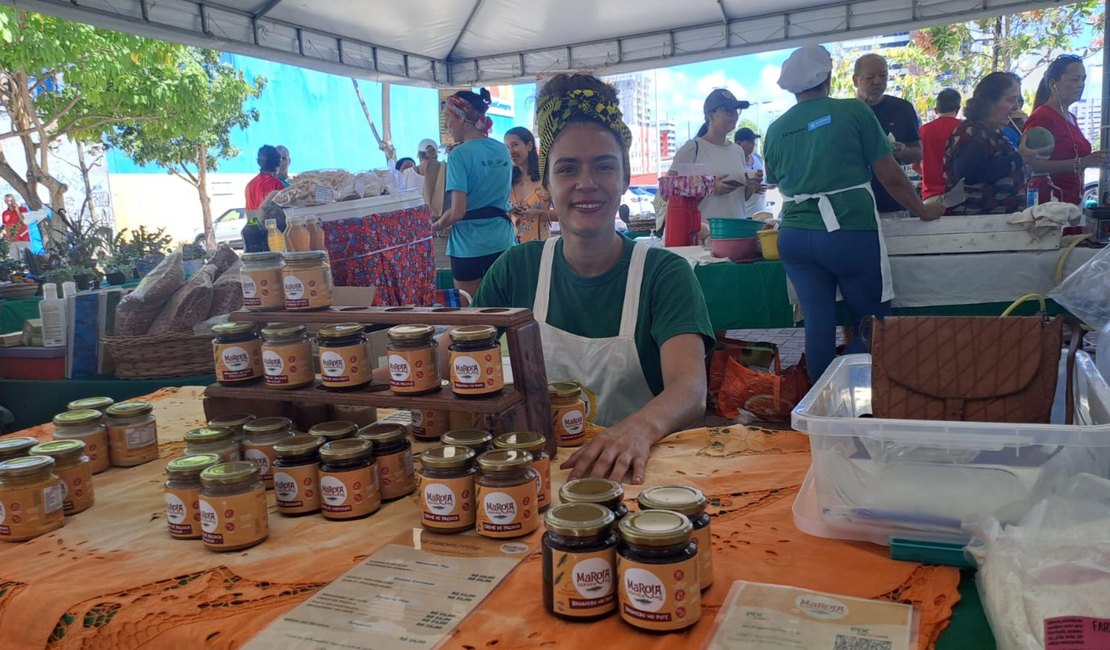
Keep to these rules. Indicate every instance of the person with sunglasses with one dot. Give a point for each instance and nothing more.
(1061, 175)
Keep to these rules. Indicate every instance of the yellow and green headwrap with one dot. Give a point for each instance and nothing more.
(554, 113)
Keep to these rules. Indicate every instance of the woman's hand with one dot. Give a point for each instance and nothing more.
(723, 184)
(612, 454)
(444, 222)
(932, 212)
(1096, 159)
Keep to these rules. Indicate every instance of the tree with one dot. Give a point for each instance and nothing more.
(192, 145)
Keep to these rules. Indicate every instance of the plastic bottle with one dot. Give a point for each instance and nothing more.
(52, 311)
(297, 238)
(254, 236)
(1102, 352)
(275, 239)
(69, 288)
(317, 240)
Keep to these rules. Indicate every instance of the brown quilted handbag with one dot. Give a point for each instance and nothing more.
(972, 369)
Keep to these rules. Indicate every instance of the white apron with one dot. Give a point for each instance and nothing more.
(832, 224)
(608, 367)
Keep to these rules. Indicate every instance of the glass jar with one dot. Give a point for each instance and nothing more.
(535, 444)
(412, 356)
(16, 447)
(235, 422)
(297, 475)
(287, 357)
(506, 494)
(258, 448)
(73, 467)
(579, 562)
(475, 363)
(447, 489)
(237, 350)
(690, 502)
(657, 571)
(568, 413)
(260, 276)
(132, 434)
(87, 426)
(182, 494)
(429, 424)
(477, 439)
(334, 430)
(95, 403)
(601, 491)
(210, 440)
(394, 457)
(349, 486)
(29, 486)
(307, 281)
(361, 415)
(344, 357)
(232, 507)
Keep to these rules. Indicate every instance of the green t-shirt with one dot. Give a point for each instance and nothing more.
(671, 301)
(822, 145)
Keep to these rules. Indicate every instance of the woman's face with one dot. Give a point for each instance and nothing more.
(518, 150)
(1007, 104)
(430, 153)
(1068, 89)
(586, 178)
(724, 120)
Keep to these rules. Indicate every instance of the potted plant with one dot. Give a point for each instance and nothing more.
(147, 248)
(192, 256)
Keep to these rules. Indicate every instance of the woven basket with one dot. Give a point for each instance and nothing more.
(160, 355)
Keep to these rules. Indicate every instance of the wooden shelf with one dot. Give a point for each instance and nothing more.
(497, 317)
(376, 395)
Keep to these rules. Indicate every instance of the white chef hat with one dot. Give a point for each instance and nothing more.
(806, 68)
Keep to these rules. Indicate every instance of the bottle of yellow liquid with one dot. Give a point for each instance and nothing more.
(274, 237)
(317, 240)
(296, 235)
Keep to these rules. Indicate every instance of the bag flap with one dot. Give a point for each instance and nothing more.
(963, 358)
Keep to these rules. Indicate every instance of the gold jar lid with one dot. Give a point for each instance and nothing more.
(299, 445)
(655, 528)
(77, 418)
(382, 432)
(94, 403)
(447, 457)
(208, 434)
(26, 466)
(529, 441)
(579, 519)
(473, 438)
(305, 256)
(469, 333)
(504, 460)
(601, 491)
(59, 449)
(234, 421)
(564, 389)
(283, 332)
(129, 409)
(340, 331)
(235, 472)
(679, 498)
(410, 332)
(347, 449)
(12, 447)
(268, 425)
(191, 466)
(233, 329)
(264, 256)
(334, 430)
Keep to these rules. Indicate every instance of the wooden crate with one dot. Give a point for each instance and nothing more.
(984, 233)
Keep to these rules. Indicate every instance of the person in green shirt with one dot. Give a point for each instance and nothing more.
(822, 154)
(626, 321)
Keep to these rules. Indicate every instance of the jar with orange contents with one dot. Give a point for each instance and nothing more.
(132, 434)
(182, 494)
(287, 357)
(87, 426)
(447, 489)
(307, 282)
(237, 351)
(260, 277)
(535, 444)
(258, 448)
(394, 455)
(73, 467)
(16, 447)
(232, 507)
(429, 424)
(412, 359)
(31, 497)
(506, 494)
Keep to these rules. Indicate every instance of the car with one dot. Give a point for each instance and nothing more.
(228, 226)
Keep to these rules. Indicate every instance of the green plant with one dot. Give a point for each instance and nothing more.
(143, 242)
(8, 266)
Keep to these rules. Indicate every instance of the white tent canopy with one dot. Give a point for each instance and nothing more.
(473, 42)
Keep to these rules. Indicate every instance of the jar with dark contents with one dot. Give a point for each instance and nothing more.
(477, 439)
(232, 506)
(344, 357)
(601, 491)
(475, 362)
(297, 475)
(691, 502)
(349, 487)
(258, 448)
(182, 494)
(568, 413)
(334, 430)
(393, 452)
(235, 422)
(505, 491)
(429, 424)
(657, 571)
(446, 489)
(579, 562)
(412, 360)
(535, 444)
(237, 350)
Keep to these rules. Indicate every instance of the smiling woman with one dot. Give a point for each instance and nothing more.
(627, 322)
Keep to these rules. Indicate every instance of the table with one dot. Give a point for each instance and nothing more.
(114, 578)
(14, 312)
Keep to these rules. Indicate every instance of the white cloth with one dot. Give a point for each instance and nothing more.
(411, 179)
(608, 367)
(719, 160)
(805, 68)
(757, 202)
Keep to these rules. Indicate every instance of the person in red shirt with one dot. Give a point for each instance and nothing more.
(1062, 86)
(13, 219)
(934, 138)
(266, 182)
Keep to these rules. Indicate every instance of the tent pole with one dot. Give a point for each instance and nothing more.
(1104, 118)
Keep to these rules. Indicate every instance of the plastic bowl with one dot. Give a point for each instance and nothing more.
(738, 249)
(720, 228)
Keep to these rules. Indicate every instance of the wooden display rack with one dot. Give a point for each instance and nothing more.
(521, 407)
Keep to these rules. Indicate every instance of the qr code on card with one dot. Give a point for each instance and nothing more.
(860, 643)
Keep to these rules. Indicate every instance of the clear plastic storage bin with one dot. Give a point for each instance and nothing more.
(875, 478)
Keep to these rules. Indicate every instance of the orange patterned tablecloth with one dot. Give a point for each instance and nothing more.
(113, 578)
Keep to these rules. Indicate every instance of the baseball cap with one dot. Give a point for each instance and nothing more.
(722, 98)
(427, 142)
(745, 134)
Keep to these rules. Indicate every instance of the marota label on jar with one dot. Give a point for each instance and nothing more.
(297, 489)
(77, 491)
(543, 481)
(182, 512)
(660, 597)
(350, 494)
(447, 502)
(288, 364)
(583, 584)
(507, 511)
(703, 540)
(429, 423)
(306, 288)
(262, 288)
(569, 423)
(414, 370)
(345, 366)
(264, 457)
(238, 361)
(396, 475)
(234, 521)
(477, 373)
(29, 512)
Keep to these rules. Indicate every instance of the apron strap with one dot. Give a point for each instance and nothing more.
(824, 205)
(543, 283)
(631, 310)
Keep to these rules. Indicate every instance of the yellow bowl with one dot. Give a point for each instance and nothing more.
(769, 243)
